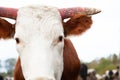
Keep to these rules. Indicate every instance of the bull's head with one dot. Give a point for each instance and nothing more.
(40, 34)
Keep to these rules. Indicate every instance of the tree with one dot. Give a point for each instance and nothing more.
(0, 64)
(9, 65)
(105, 64)
(114, 59)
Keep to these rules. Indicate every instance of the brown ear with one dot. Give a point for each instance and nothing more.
(77, 24)
(7, 29)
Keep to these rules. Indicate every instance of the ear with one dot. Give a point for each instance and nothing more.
(7, 29)
(77, 24)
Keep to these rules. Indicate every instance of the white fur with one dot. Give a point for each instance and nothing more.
(38, 28)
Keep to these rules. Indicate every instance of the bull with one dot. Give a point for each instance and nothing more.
(45, 52)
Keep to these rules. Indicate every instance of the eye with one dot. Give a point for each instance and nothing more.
(17, 40)
(60, 38)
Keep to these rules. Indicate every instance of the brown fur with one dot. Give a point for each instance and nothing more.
(75, 26)
(18, 75)
(71, 62)
(6, 29)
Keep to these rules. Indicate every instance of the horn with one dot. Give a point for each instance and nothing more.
(68, 12)
(65, 12)
(8, 12)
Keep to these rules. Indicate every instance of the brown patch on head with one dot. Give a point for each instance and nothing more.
(71, 62)
(18, 74)
(77, 24)
(7, 30)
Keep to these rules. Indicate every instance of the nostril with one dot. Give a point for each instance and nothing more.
(43, 78)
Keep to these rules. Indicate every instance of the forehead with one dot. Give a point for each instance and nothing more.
(38, 20)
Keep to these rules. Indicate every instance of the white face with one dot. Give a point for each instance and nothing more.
(39, 33)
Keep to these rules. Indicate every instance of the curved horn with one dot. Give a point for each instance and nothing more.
(68, 12)
(8, 12)
(65, 12)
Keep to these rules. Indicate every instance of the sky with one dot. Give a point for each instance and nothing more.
(101, 40)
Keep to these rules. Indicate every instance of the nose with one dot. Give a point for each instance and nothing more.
(43, 78)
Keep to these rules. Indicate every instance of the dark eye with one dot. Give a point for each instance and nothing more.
(60, 38)
(17, 40)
